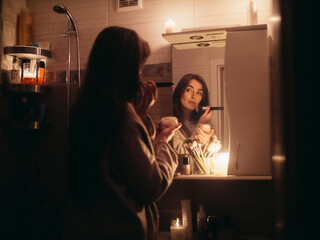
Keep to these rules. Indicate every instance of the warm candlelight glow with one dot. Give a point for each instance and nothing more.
(170, 26)
(279, 158)
(177, 231)
(177, 222)
(275, 19)
(220, 164)
(252, 13)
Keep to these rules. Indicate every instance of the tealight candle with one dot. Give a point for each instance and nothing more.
(170, 26)
(177, 231)
(220, 164)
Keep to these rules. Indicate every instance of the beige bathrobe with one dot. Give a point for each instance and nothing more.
(141, 175)
(179, 142)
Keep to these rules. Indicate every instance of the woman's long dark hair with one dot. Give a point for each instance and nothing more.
(96, 119)
(178, 92)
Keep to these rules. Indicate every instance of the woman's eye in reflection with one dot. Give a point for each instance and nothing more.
(200, 94)
(189, 90)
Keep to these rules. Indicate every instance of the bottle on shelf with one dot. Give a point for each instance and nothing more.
(186, 165)
(41, 73)
(25, 27)
(15, 72)
(201, 222)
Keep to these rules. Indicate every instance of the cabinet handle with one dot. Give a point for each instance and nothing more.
(236, 157)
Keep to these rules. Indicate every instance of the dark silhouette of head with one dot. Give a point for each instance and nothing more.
(96, 118)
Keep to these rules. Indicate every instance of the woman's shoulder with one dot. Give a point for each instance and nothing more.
(180, 134)
(131, 113)
(132, 118)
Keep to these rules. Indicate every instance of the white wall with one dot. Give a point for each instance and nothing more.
(10, 11)
(92, 16)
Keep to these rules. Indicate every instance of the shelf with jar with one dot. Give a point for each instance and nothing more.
(25, 88)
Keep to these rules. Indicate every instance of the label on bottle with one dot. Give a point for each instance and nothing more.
(15, 76)
(186, 169)
(29, 34)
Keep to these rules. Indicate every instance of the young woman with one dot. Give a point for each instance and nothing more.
(189, 96)
(116, 170)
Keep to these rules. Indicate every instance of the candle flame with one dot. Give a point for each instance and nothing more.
(170, 22)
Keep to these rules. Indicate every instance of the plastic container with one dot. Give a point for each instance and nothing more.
(168, 121)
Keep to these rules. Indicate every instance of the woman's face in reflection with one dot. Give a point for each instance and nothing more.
(192, 96)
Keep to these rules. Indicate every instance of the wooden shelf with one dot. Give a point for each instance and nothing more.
(27, 125)
(205, 36)
(27, 88)
(27, 52)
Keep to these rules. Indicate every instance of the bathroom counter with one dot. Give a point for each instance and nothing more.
(228, 177)
(166, 236)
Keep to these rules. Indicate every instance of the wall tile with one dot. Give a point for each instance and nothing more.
(90, 17)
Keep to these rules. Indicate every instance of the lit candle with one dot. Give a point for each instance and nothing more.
(220, 164)
(255, 15)
(170, 26)
(177, 231)
(252, 13)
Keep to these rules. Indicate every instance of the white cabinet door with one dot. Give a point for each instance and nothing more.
(248, 99)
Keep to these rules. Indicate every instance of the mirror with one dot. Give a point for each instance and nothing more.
(208, 62)
(234, 61)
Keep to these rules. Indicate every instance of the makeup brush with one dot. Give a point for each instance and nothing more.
(202, 108)
(212, 108)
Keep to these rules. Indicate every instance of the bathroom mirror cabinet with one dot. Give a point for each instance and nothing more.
(234, 61)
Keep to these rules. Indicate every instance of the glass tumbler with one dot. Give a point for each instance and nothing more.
(29, 73)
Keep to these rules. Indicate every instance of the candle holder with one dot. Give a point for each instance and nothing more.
(220, 164)
(170, 25)
(177, 230)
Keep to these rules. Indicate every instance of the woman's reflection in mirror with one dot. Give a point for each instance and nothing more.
(190, 93)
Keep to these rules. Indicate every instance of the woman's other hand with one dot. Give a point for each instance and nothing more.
(166, 134)
(205, 117)
(203, 136)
